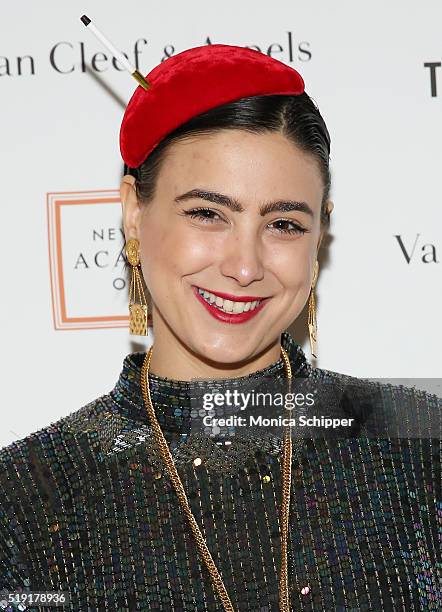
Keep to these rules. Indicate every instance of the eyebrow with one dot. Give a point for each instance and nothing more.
(235, 206)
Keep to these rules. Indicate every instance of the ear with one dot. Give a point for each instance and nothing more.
(329, 207)
(130, 207)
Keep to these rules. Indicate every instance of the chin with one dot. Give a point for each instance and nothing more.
(221, 348)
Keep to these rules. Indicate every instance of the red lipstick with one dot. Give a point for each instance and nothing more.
(227, 317)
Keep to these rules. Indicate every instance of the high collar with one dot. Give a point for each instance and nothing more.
(172, 398)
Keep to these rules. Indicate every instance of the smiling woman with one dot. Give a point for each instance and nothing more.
(246, 239)
(237, 156)
(133, 502)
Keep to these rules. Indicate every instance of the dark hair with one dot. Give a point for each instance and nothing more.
(296, 117)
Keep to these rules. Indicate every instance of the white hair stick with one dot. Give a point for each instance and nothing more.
(117, 54)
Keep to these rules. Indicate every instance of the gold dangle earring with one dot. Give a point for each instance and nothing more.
(138, 313)
(312, 325)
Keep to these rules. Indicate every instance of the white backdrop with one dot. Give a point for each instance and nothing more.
(64, 303)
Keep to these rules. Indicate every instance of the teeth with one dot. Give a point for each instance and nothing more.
(237, 307)
(228, 305)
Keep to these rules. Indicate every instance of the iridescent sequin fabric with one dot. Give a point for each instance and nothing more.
(87, 507)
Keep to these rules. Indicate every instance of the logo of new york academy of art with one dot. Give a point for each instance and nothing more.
(86, 260)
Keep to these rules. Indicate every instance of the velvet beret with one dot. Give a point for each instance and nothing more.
(192, 82)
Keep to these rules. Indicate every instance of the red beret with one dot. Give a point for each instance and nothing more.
(192, 82)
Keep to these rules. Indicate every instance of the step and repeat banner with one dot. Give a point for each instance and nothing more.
(375, 71)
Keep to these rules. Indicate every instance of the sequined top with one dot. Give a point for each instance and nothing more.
(87, 507)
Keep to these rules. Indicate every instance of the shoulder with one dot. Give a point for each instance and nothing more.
(400, 426)
(382, 388)
(26, 452)
(387, 407)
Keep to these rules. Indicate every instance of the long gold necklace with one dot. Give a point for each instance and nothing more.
(284, 599)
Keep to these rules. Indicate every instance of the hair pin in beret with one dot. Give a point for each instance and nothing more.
(117, 54)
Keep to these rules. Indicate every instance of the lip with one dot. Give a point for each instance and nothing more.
(226, 317)
(234, 298)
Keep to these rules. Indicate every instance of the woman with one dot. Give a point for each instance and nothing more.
(132, 502)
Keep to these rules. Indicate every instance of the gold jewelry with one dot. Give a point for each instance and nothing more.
(284, 598)
(138, 313)
(312, 324)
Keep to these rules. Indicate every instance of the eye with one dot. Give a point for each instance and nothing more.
(201, 213)
(206, 215)
(295, 229)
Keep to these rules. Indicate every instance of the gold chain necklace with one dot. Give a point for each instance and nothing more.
(284, 600)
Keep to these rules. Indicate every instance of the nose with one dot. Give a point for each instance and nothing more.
(242, 257)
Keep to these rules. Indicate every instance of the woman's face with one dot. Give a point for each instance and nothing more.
(235, 247)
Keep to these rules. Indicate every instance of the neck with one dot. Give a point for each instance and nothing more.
(171, 358)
